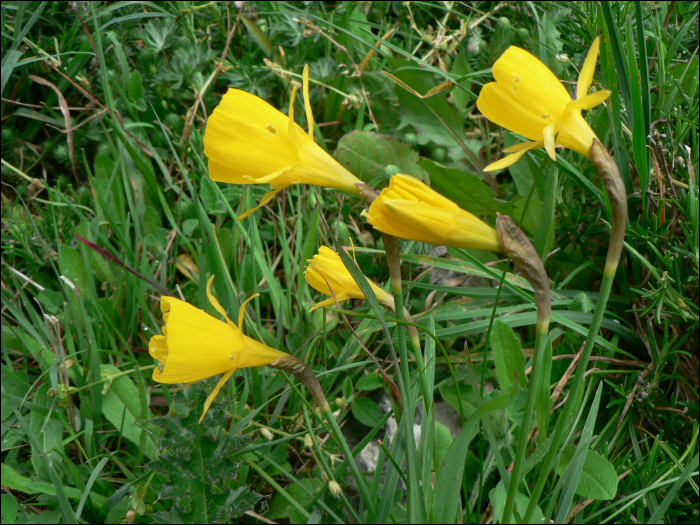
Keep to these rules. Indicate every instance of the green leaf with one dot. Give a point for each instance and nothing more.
(467, 191)
(48, 433)
(544, 236)
(598, 479)
(9, 508)
(449, 478)
(73, 266)
(461, 68)
(136, 91)
(466, 392)
(367, 155)
(444, 441)
(14, 480)
(433, 118)
(108, 187)
(497, 496)
(121, 405)
(370, 382)
(280, 507)
(508, 356)
(198, 471)
(367, 411)
(581, 303)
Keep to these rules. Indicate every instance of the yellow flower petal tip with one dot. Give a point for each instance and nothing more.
(327, 274)
(528, 99)
(247, 141)
(196, 346)
(409, 209)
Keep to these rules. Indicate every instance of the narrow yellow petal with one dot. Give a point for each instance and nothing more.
(215, 302)
(340, 297)
(241, 311)
(217, 388)
(307, 102)
(291, 123)
(589, 101)
(515, 157)
(266, 198)
(587, 71)
(548, 135)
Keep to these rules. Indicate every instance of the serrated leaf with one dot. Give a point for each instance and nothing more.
(370, 382)
(367, 411)
(198, 471)
(508, 356)
(598, 479)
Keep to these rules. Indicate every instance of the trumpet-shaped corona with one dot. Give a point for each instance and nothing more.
(409, 209)
(248, 141)
(528, 99)
(196, 346)
(327, 274)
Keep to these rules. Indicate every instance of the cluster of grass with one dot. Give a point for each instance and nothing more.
(104, 107)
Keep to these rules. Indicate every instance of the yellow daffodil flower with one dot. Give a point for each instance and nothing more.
(196, 346)
(248, 141)
(528, 99)
(327, 272)
(409, 209)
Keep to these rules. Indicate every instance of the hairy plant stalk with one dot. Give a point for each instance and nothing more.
(610, 175)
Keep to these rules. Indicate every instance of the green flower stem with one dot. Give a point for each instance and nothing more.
(361, 482)
(572, 401)
(537, 365)
(418, 351)
(610, 175)
(391, 245)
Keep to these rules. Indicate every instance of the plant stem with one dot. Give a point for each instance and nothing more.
(537, 364)
(572, 401)
(610, 175)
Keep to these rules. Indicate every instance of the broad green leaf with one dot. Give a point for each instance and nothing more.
(367, 154)
(279, 506)
(369, 382)
(449, 478)
(466, 392)
(108, 188)
(598, 479)
(467, 191)
(121, 405)
(461, 68)
(444, 441)
(433, 118)
(9, 508)
(73, 266)
(508, 356)
(367, 411)
(497, 496)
